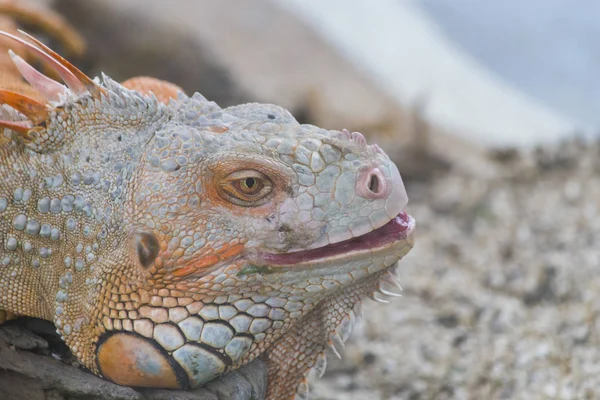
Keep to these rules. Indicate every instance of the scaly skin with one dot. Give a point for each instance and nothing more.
(10, 78)
(172, 241)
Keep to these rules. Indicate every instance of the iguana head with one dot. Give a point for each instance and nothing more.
(212, 230)
(248, 207)
(249, 186)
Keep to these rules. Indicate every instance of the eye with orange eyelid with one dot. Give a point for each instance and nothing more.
(249, 188)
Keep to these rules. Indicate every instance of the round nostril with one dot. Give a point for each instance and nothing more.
(374, 185)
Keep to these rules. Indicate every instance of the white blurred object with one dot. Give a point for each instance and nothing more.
(406, 53)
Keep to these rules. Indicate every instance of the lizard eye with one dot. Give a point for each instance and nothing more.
(246, 188)
(249, 186)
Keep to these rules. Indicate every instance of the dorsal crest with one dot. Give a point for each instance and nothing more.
(42, 126)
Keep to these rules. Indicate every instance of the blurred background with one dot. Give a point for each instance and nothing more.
(489, 110)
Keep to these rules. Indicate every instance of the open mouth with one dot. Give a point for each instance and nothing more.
(395, 231)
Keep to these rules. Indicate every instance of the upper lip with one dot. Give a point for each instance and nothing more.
(396, 230)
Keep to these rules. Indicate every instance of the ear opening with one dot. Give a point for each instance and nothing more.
(147, 248)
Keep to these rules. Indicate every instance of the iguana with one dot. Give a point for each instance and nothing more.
(170, 240)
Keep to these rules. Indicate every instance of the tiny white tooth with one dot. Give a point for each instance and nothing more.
(335, 338)
(334, 350)
(392, 281)
(302, 391)
(387, 293)
(346, 326)
(375, 298)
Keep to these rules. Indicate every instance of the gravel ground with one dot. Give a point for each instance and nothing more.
(500, 295)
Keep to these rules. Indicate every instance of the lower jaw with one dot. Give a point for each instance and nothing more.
(372, 259)
(387, 250)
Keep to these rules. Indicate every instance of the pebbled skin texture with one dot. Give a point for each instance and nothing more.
(171, 241)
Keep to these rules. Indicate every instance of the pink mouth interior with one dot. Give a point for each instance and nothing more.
(397, 229)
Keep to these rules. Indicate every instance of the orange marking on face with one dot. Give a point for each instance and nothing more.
(184, 271)
(195, 266)
(232, 252)
(130, 360)
(208, 260)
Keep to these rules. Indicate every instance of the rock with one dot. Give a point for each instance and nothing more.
(29, 376)
(226, 388)
(22, 339)
(257, 378)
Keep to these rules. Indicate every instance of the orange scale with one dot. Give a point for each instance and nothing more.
(218, 128)
(130, 360)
